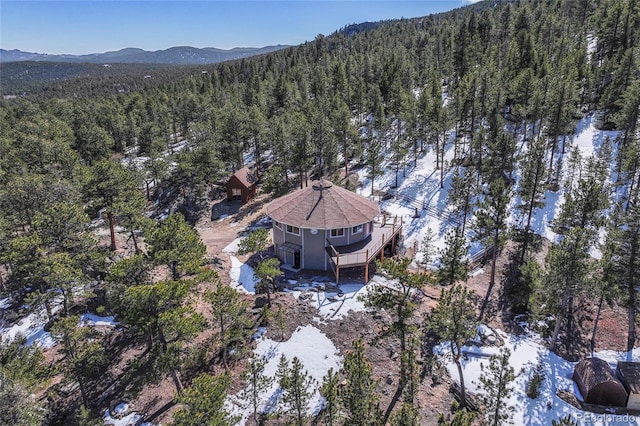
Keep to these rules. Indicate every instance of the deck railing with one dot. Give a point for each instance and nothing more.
(365, 256)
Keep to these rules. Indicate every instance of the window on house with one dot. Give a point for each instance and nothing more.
(337, 232)
(293, 230)
(357, 229)
(277, 224)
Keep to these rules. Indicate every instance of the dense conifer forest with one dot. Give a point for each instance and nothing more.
(502, 75)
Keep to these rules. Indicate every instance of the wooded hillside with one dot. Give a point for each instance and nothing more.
(508, 78)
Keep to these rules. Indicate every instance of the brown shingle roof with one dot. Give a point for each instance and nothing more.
(323, 206)
(246, 176)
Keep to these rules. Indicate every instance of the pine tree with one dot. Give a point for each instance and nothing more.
(463, 189)
(375, 147)
(110, 186)
(496, 385)
(397, 296)
(453, 258)
(17, 406)
(203, 404)
(297, 388)
(569, 264)
(174, 243)
(256, 242)
(565, 279)
(454, 321)
(84, 354)
(491, 223)
(409, 375)
(460, 418)
(267, 271)
(278, 134)
(230, 316)
(22, 371)
(345, 134)
(408, 415)
(301, 145)
(624, 263)
(358, 396)
(531, 188)
(159, 312)
(257, 383)
(426, 247)
(330, 392)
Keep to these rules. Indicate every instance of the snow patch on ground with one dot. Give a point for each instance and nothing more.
(233, 246)
(92, 319)
(316, 353)
(477, 272)
(526, 354)
(121, 420)
(121, 408)
(333, 304)
(31, 327)
(6, 302)
(242, 276)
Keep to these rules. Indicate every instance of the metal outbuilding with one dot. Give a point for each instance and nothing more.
(598, 384)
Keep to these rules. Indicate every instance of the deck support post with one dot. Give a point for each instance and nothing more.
(337, 269)
(366, 268)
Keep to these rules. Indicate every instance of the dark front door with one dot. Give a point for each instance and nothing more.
(296, 259)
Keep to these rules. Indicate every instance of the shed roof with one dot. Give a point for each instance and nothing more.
(323, 206)
(245, 176)
(629, 373)
(598, 384)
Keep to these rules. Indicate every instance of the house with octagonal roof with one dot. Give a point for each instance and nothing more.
(327, 227)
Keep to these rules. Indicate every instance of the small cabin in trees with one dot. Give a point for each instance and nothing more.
(629, 374)
(242, 185)
(598, 384)
(326, 227)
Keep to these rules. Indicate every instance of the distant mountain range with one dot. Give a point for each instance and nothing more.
(182, 55)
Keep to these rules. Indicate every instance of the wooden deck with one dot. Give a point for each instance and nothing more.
(385, 232)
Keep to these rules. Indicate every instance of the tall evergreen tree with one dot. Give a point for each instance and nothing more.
(491, 222)
(84, 353)
(257, 384)
(159, 312)
(463, 189)
(330, 392)
(230, 316)
(297, 388)
(358, 396)
(566, 278)
(110, 186)
(624, 263)
(175, 244)
(496, 388)
(398, 297)
(453, 258)
(531, 189)
(203, 403)
(454, 321)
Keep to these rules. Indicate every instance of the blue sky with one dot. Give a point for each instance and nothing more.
(81, 26)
